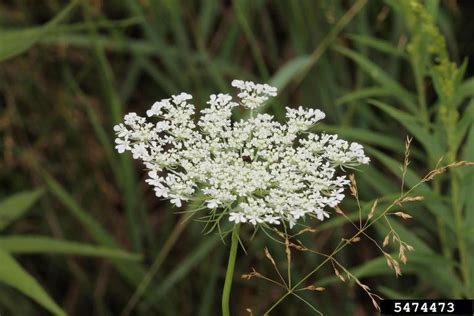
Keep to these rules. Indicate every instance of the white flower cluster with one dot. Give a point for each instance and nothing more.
(256, 170)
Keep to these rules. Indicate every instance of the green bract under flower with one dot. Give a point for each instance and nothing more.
(256, 170)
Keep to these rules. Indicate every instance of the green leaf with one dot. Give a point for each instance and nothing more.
(288, 71)
(16, 205)
(467, 187)
(243, 16)
(363, 93)
(380, 76)
(40, 244)
(207, 17)
(433, 269)
(378, 44)
(464, 123)
(414, 126)
(184, 268)
(15, 42)
(133, 272)
(465, 90)
(211, 289)
(393, 294)
(12, 274)
(283, 77)
(93, 227)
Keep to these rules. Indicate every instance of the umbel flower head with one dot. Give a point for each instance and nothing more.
(254, 170)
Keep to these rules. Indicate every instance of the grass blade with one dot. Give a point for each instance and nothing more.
(363, 93)
(378, 44)
(380, 76)
(15, 42)
(132, 272)
(17, 205)
(415, 127)
(41, 244)
(12, 274)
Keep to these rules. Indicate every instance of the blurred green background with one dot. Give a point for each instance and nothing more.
(79, 227)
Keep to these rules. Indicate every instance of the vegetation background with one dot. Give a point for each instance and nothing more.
(79, 227)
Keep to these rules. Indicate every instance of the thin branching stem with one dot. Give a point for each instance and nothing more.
(361, 231)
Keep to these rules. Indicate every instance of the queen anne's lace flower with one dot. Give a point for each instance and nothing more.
(255, 171)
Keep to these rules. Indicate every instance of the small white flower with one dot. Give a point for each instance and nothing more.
(122, 145)
(270, 219)
(182, 97)
(139, 151)
(162, 192)
(120, 130)
(237, 218)
(322, 214)
(176, 201)
(212, 204)
(155, 109)
(253, 95)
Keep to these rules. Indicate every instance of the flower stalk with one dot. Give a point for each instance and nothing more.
(230, 271)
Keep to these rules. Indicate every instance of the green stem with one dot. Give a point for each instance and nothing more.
(459, 223)
(230, 271)
(441, 224)
(267, 313)
(420, 89)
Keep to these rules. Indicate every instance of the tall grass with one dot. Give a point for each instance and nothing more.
(380, 70)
